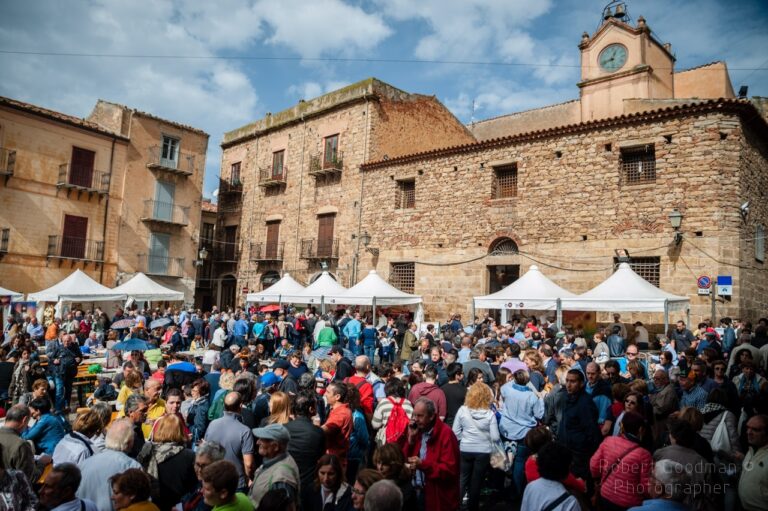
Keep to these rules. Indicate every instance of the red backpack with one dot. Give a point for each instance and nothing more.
(366, 393)
(398, 421)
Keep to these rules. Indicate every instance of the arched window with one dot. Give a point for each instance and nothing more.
(269, 279)
(503, 246)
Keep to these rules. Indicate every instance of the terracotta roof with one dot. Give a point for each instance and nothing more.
(661, 113)
(512, 114)
(58, 117)
(155, 117)
(701, 66)
(209, 207)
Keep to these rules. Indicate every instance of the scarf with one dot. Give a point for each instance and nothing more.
(712, 410)
(155, 454)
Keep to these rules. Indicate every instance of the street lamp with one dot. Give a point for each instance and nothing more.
(675, 219)
(366, 239)
(202, 255)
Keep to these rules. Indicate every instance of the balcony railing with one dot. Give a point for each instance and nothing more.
(229, 207)
(7, 161)
(319, 165)
(5, 239)
(182, 164)
(263, 252)
(165, 212)
(269, 178)
(79, 249)
(320, 249)
(161, 265)
(82, 179)
(230, 186)
(226, 252)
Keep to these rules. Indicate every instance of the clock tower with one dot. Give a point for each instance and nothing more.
(621, 61)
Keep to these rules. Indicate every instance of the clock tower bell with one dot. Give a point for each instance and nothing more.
(621, 61)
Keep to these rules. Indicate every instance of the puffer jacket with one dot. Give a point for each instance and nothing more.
(477, 430)
(712, 421)
(627, 484)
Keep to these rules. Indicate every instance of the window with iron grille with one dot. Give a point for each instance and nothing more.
(760, 243)
(406, 194)
(234, 172)
(638, 164)
(277, 163)
(647, 267)
(504, 182)
(402, 276)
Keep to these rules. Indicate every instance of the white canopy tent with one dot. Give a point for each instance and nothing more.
(316, 292)
(78, 287)
(13, 294)
(143, 289)
(531, 291)
(626, 291)
(375, 291)
(274, 293)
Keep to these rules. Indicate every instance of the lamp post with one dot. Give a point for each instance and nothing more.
(675, 220)
(365, 238)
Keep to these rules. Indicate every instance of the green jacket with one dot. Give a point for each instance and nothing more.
(326, 338)
(410, 343)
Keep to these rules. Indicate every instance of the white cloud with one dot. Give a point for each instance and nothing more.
(312, 89)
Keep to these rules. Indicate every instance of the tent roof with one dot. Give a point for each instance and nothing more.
(77, 287)
(325, 285)
(373, 287)
(8, 292)
(142, 288)
(531, 291)
(274, 293)
(626, 291)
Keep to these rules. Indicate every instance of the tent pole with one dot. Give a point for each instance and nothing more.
(374, 314)
(688, 316)
(474, 311)
(559, 314)
(666, 317)
(322, 304)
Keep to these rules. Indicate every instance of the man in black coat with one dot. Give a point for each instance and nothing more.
(577, 424)
(65, 357)
(343, 365)
(307, 443)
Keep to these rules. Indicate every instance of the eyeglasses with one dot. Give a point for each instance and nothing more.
(201, 466)
(357, 492)
(631, 354)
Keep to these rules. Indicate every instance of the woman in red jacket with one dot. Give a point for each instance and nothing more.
(621, 467)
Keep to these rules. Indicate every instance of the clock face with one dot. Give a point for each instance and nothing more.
(613, 57)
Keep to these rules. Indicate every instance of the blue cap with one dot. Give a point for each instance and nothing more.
(270, 379)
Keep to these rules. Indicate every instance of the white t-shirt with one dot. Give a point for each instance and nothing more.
(219, 337)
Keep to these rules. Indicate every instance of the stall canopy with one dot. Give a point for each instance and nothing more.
(78, 287)
(373, 290)
(143, 289)
(532, 291)
(324, 286)
(274, 294)
(13, 294)
(626, 291)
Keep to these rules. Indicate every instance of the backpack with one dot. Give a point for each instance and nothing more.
(398, 421)
(366, 394)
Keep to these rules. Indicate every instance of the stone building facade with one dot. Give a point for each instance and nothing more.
(93, 187)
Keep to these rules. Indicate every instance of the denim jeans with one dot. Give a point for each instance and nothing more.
(369, 351)
(518, 467)
(63, 392)
(474, 466)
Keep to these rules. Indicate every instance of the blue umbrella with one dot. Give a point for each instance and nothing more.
(131, 345)
(160, 322)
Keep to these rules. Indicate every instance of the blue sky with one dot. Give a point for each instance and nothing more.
(516, 55)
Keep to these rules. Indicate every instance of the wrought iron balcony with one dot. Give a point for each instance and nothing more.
(270, 178)
(82, 179)
(76, 249)
(7, 162)
(182, 164)
(265, 252)
(320, 249)
(165, 213)
(323, 165)
(230, 186)
(224, 252)
(161, 265)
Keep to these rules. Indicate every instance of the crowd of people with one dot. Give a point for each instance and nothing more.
(295, 410)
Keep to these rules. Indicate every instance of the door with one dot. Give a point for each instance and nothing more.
(273, 235)
(164, 193)
(500, 276)
(81, 167)
(331, 151)
(230, 242)
(228, 290)
(170, 153)
(73, 237)
(325, 235)
(159, 248)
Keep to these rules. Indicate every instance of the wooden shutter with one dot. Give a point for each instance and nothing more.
(325, 235)
(81, 167)
(273, 235)
(73, 238)
(159, 248)
(230, 242)
(331, 149)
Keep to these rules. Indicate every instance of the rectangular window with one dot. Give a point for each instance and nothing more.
(234, 173)
(73, 237)
(206, 234)
(81, 167)
(505, 182)
(760, 243)
(325, 228)
(638, 164)
(278, 158)
(647, 267)
(273, 237)
(170, 152)
(402, 276)
(406, 194)
(331, 154)
(159, 248)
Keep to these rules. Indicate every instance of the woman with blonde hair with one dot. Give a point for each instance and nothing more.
(133, 385)
(476, 427)
(167, 460)
(279, 408)
(536, 371)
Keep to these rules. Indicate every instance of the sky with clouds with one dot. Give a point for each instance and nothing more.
(218, 65)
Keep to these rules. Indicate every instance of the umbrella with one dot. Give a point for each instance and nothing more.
(131, 345)
(123, 323)
(270, 308)
(160, 322)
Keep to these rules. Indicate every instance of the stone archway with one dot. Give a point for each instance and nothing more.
(504, 246)
(268, 279)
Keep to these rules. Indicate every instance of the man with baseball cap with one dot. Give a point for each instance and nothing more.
(279, 470)
(289, 384)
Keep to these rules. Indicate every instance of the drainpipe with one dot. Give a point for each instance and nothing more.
(301, 183)
(356, 257)
(106, 212)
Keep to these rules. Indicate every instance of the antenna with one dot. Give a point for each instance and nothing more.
(472, 115)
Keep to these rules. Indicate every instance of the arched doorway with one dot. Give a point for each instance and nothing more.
(228, 292)
(268, 279)
(503, 246)
(503, 267)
